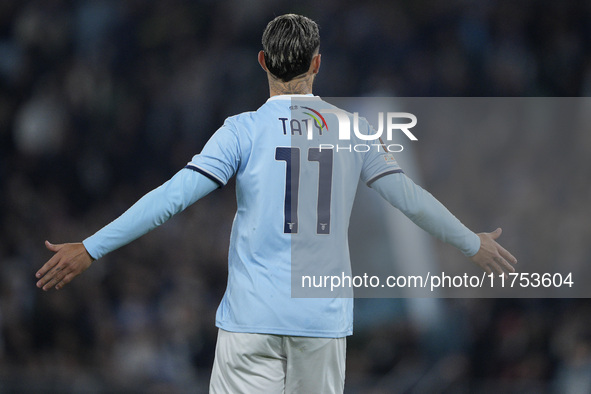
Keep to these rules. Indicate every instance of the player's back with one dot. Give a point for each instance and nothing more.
(295, 190)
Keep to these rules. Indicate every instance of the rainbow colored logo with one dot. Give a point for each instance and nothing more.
(320, 124)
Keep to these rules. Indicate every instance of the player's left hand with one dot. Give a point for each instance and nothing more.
(69, 261)
(491, 256)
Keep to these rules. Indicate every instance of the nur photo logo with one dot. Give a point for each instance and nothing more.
(391, 126)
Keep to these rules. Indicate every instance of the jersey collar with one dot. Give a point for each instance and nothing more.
(289, 96)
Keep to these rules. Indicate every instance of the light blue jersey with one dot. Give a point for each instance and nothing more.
(295, 186)
(294, 194)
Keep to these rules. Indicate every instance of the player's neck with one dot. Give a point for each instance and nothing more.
(301, 85)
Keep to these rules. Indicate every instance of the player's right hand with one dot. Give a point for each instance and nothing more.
(69, 261)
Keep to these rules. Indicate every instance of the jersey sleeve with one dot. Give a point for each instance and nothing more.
(427, 212)
(153, 209)
(377, 162)
(220, 157)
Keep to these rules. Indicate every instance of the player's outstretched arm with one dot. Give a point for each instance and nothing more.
(69, 261)
(153, 209)
(432, 216)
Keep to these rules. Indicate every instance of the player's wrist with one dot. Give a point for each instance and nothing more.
(474, 245)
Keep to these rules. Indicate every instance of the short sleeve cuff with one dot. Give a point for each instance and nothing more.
(205, 173)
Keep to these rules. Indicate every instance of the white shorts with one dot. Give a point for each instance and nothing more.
(263, 363)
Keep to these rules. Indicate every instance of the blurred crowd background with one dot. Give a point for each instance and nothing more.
(101, 101)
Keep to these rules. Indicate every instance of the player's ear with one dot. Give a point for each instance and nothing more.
(315, 64)
(261, 58)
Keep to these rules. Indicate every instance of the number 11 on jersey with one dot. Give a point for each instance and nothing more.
(291, 156)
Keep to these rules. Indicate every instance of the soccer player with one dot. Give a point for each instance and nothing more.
(294, 196)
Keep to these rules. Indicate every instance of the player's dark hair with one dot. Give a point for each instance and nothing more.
(289, 43)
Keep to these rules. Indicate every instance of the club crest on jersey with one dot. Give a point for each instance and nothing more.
(389, 158)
